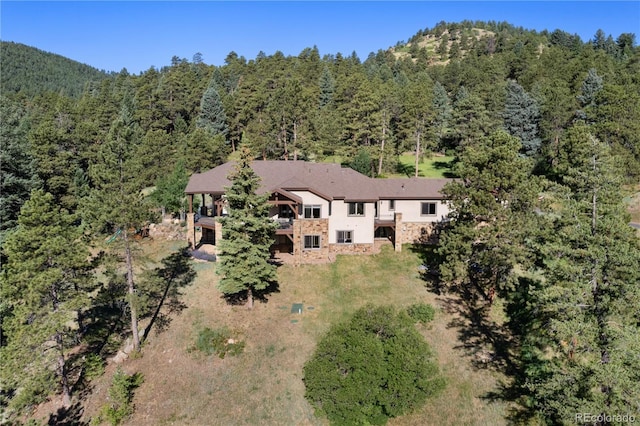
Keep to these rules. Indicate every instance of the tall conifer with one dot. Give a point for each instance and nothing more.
(247, 235)
(46, 284)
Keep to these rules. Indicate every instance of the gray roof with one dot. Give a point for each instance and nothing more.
(327, 180)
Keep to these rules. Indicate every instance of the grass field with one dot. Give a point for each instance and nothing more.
(264, 384)
(436, 166)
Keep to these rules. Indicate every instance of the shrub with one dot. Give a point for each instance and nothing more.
(120, 396)
(93, 366)
(372, 368)
(219, 342)
(421, 312)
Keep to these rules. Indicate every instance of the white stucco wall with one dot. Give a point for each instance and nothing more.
(362, 226)
(311, 198)
(411, 209)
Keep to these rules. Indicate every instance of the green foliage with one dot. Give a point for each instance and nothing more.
(585, 358)
(29, 71)
(492, 213)
(93, 366)
(421, 312)
(374, 367)
(248, 234)
(219, 341)
(362, 162)
(521, 117)
(19, 175)
(212, 116)
(169, 192)
(45, 285)
(121, 392)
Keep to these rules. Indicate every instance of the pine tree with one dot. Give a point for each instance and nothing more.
(247, 235)
(169, 193)
(492, 208)
(116, 204)
(442, 107)
(18, 175)
(521, 117)
(590, 301)
(46, 284)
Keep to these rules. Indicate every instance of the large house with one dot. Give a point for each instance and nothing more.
(324, 209)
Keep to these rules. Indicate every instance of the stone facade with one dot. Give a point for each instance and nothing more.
(414, 233)
(352, 248)
(191, 230)
(303, 227)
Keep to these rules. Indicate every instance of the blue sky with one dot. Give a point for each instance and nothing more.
(141, 34)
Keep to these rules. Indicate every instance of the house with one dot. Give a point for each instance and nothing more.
(324, 209)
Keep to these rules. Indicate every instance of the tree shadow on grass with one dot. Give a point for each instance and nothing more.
(490, 345)
(166, 283)
(68, 416)
(406, 169)
(486, 343)
(262, 296)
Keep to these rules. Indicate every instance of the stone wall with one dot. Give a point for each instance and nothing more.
(352, 248)
(302, 227)
(415, 233)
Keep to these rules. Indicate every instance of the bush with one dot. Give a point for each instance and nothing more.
(421, 312)
(120, 396)
(372, 368)
(219, 342)
(93, 366)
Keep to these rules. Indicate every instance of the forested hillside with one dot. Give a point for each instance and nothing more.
(28, 71)
(544, 128)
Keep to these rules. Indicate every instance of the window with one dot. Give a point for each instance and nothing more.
(285, 212)
(428, 209)
(312, 211)
(344, 237)
(311, 242)
(392, 204)
(356, 209)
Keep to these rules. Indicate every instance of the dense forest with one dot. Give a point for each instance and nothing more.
(545, 129)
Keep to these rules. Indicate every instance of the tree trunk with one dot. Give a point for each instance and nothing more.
(135, 335)
(384, 135)
(295, 140)
(62, 373)
(249, 298)
(417, 151)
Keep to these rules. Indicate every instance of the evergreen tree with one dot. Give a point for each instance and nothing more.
(18, 176)
(442, 107)
(327, 87)
(45, 284)
(169, 193)
(492, 211)
(470, 120)
(212, 116)
(418, 115)
(590, 300)
(521, 117)
(116, 204)
(247, 235)
(591, 85)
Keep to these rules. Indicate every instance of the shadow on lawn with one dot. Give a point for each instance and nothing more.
(166, 282)
(486, 343)
(262, 296)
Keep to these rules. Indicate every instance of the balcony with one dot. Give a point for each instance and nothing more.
(285, 226)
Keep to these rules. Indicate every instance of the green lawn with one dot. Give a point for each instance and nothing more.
(428, 167)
